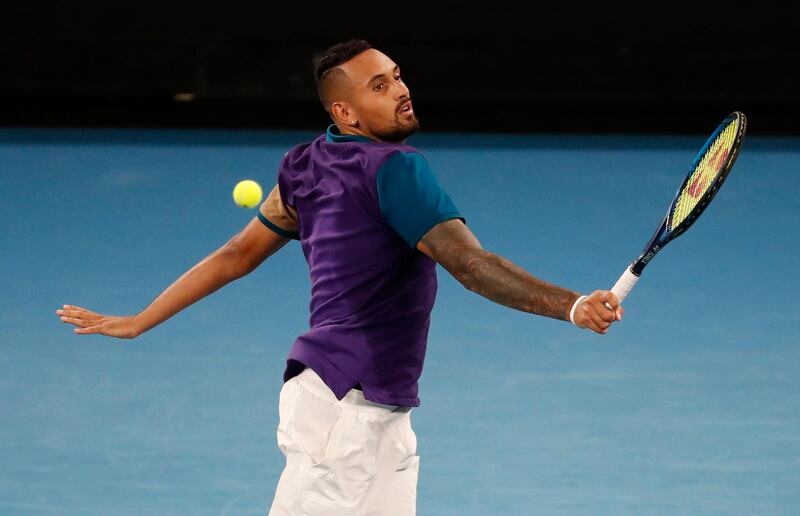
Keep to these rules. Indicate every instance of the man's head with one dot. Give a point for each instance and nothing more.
(361, 89)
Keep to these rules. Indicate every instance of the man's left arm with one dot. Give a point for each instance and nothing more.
(422, 213)
(452, 244)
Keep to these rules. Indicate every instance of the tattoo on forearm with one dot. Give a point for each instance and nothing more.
(492, 276)
(500, 280)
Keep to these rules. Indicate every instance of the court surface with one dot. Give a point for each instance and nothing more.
(688, 406)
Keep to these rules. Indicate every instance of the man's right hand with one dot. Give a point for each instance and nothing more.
(88, 322)
(594, 312)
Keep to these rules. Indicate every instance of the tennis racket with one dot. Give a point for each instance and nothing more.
(706, 175)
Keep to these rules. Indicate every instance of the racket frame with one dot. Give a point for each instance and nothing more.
(662, 236)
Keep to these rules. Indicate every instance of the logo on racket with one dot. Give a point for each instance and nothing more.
(698, 186)
(714, 163)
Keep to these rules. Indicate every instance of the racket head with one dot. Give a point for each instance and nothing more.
(709, 170)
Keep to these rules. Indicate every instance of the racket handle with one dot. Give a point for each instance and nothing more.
(624, 284)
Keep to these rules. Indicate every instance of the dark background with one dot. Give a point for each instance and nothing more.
(653, 68)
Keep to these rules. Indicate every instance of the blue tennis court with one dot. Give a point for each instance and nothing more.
(688, 406)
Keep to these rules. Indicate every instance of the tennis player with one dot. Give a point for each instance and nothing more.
(373, 222)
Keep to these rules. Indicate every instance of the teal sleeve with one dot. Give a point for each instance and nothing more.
(410, 198)
(294, 235)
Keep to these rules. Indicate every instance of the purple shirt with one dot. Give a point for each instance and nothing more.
(361, 207)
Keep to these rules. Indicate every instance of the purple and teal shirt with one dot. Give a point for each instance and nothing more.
(359, 209)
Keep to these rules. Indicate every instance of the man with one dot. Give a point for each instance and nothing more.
(373, 223)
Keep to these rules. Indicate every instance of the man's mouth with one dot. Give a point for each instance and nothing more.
(406, 108)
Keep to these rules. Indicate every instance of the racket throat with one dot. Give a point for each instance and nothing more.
(638, 266)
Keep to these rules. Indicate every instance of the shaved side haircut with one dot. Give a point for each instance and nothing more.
(327, 67)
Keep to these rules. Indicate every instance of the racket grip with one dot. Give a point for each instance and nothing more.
(624, 284)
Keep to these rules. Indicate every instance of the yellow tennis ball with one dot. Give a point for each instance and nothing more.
(247, 193)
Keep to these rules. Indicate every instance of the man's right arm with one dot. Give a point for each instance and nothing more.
(452, 244)
(236, 258)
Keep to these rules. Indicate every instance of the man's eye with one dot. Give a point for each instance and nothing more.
(378, 86)
(397, 78)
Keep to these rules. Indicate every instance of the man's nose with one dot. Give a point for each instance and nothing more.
(402, 90)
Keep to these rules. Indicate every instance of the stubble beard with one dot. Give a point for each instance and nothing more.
(401, 130)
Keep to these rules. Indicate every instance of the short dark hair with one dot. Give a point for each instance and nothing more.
(338, 54)
(333, 57)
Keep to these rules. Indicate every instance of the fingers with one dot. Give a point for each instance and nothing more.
(600, 310)
(76, 321)
(85, 326)
(610, 301)
(88, 322)
(589, 317)
(74, 314)
(76, 317)
(606, 318)
(603, 319)
(88, 330)
(74, 310)
(80, 317)
(607, 297)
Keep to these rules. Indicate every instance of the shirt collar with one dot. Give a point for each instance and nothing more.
(334, 136)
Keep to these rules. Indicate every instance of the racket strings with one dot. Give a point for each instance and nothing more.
(704, 177)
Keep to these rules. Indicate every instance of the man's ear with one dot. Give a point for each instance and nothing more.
(343, 113)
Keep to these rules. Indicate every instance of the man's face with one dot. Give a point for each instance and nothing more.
(379, 98)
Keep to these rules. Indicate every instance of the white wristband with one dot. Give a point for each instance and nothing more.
(572, 312)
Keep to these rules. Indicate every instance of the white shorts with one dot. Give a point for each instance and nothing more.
(351, 457)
